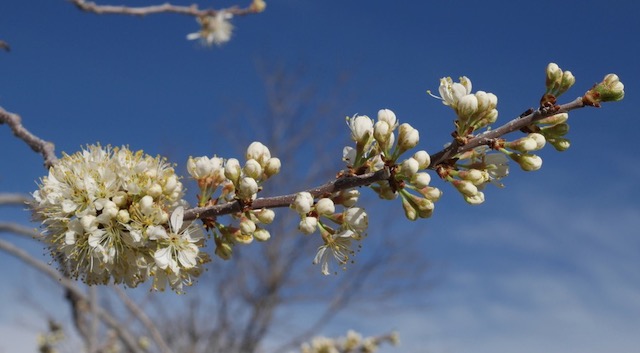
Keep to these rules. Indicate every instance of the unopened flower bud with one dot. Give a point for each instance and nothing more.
(247, 226)
(325, 206)
(409, 167)
(303, 203)
(199, 167)
(389, 117)
(252, 169)
(224, 251)
(232, 170)
(259, 152)
(248, 187)
(476, 199)
(265, 215)
(272, 167)
(123, 216)
(409, 211)
(408, 137)
(361, 128)
(146, 204)
(539, 139)
(475, 176)
(560, 144)
(258, 6)
(381, 132)
(308, 225)
(425, 207)
(467, 106)
(556, 130)
(423, 159)
(523, 144)
(465, 187)
(349, 197)
(609, 90)
(421, 180)
(528, 162)
(154, 190)
(567, 81)
(261, 235)
(554, 77)
(555, 119)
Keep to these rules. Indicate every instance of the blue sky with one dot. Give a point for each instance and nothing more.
(547, 264)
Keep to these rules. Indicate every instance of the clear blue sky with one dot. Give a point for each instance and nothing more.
(548, 264)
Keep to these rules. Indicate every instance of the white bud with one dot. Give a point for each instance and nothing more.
(528, 162)
(409, 167)
(325, 206)
(308, 225)
(465, 187)
(123, 216)
(349, 197)
(248, 188)
(146, 204)
(303, 202)
(155, 190)
(252, 169)
(408, 137)
(265, 215)
(272, 167)
(476, 199)
(467, 106)
(200, 167)
(421, 180)
(423, 159)
(261, 235)
(388, 116)
(232, 169)
(247, 226)
(539, 139)
(361, 128)
(259, 152)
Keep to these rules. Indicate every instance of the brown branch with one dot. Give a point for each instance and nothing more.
(191, 10)
(20, 230)
(349, 182)
(343, 183)
(47, 149)
(128, 340)
(514, 125)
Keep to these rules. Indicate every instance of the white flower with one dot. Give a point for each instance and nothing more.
(176, 249)
(214, 29)
(451, 92)
(338, 245)
(259, 152)
(356, 219)
(389, 117)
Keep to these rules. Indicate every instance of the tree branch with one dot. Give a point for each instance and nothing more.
(21, 230)
(128, 340)
(47, 149)
(191, 10)
(14, 199)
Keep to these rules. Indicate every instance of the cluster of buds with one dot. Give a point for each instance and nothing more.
(377, 147)
(609, 90)
(554, 128)
(237, 183)
(474, 110)
(337, 229)
(106, 217)
(353, 342)
(557, 82)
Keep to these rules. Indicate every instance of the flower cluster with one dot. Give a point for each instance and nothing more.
(558, 81)
(377, 148)
(236, 183)
(214, 29)
(337, 229)
(474, 110)
(353, 342)
(105, 214)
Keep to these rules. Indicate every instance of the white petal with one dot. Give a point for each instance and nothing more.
(154, 233)
(176, 219)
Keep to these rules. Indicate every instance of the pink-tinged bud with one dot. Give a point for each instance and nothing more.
(528, 162)
(423, 158)
(308, 225)
(431, 193)
(325, 206)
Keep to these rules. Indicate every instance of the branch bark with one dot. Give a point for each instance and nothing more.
(45, 148)
(191, 10)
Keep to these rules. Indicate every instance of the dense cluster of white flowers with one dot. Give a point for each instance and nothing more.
(114, 214)
(353, 342)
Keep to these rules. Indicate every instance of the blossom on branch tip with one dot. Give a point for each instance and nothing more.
(214, 29)
(337, 245)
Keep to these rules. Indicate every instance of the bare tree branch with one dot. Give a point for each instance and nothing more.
(5, 46)
(191, 10)
(15, 228)
(14, 199)
(72, 290)
(47, 149)
(144, 319)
